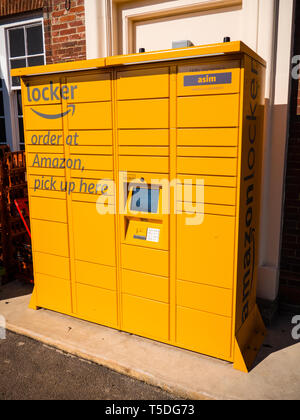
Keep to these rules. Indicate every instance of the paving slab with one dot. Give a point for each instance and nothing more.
(276, 374)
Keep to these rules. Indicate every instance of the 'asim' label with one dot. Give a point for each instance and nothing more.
(208, 79)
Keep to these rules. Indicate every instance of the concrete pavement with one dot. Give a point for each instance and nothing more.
(276, 374)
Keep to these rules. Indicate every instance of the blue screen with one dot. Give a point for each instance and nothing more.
(144, 200)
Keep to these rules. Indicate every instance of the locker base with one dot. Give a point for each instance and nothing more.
(248, 341)
(32, 304)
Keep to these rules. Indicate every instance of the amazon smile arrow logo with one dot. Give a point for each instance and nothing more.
(55, 116)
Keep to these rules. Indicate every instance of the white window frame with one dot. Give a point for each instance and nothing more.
(10, 95)
(9, 58)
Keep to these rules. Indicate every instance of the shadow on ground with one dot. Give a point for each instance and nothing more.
(15, 289)
(279, 336)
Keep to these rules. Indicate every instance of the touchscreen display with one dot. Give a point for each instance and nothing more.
(144, 200)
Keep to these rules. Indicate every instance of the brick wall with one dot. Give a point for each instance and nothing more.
(11, 7)
(64, 29)
(298, 98)
(290, 257)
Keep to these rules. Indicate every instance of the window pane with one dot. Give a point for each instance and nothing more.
(19, 103)
(21, 130)
(17, 42)
(1, 104)
(34, 40)
(15, 64)
(36, 61)
(2, 131)
(16, 81)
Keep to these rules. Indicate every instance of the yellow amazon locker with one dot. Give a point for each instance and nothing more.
(144, 176)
